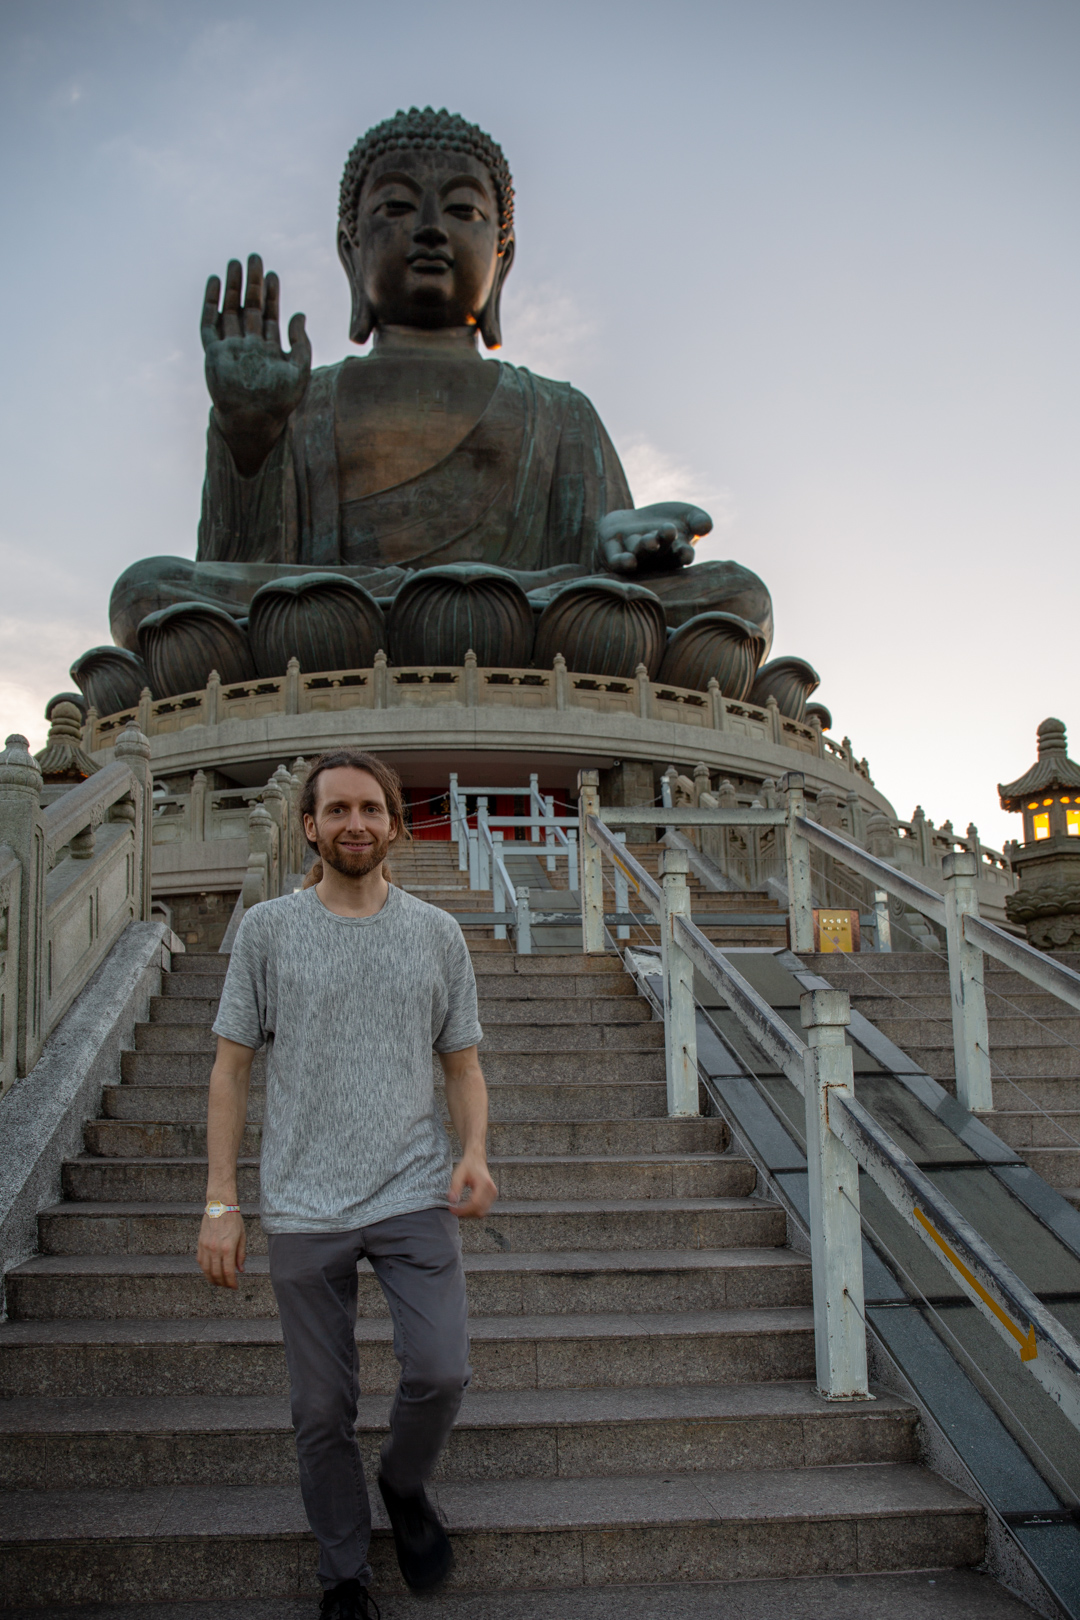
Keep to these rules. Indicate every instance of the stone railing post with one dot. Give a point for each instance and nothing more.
(717, 705)
(292, 686)
(197, 808)
(89, 736)
(380, 681)
(277, 809)
(472, 681)
(883, 926)
(800, 896)
(592, 870)
(22, 830)
(835, 1226)
(258, 880)
(212, 699)
(644, 693)
(775, 720)
(680, 1017)
(133, 748)
(562, 684)
(971, 1041)
(144, 717)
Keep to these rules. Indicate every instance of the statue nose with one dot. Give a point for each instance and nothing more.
(430, 235)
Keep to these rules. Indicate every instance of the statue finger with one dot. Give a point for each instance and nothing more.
(271, 327)
(253, 300)
(698, 521)
(208, 326)
(300, 343)
(683, 552)
(230, 310)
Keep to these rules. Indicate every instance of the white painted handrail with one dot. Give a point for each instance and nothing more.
(840, 1136)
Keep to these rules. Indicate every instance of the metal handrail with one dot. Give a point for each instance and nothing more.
(1053, 976)
(836, 1123)
(917, 895)
(1048, 1350)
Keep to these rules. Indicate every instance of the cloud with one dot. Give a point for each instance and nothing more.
(544, 329)
(52, 625)
(656, 475)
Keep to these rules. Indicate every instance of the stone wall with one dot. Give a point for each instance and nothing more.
(200, 920)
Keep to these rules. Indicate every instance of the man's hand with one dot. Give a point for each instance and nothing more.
(254, 384)
(652, 537)
(472, 1191)
(222, 1249)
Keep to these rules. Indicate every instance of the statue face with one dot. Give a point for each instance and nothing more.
(428, 224)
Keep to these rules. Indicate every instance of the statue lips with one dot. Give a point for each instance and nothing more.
(430, 264)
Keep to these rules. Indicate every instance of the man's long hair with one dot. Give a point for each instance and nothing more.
(358, 760)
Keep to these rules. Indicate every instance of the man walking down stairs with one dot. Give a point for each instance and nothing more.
(641, 1438)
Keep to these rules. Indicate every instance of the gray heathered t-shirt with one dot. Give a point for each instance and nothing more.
(350, 1009)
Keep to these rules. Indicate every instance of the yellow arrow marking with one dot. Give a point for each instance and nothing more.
(1028, 1348)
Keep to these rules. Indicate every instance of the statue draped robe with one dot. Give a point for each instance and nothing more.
(524, 490)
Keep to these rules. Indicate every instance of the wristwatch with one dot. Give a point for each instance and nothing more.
(215, 1209)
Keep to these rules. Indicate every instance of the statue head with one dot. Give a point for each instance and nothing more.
(426, 225)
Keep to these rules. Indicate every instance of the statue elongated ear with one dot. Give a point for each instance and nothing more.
(489, 320)
(362, 319)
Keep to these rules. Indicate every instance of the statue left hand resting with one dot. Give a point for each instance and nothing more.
(651, 538)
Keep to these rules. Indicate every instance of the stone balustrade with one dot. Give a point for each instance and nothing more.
(386, 686)
(73, 875)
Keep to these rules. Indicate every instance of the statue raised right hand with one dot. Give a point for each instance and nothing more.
(254, 384)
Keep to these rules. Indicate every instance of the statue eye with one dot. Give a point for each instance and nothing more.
(395, 207)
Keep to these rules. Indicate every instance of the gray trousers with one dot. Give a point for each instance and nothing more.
(417, 1259)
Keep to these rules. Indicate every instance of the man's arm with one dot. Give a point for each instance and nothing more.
(472, 1191)
(223, 1242)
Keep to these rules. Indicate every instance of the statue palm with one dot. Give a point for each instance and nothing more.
(254, 384)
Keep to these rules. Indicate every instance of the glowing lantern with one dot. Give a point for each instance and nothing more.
(1047, 863)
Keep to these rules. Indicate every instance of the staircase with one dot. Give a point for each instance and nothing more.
(430, 868)
(1034, 1047)
(641, 1409)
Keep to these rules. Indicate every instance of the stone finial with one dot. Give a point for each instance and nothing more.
(63, 759)
(18, 767)
(1051, 737)
(132, 743)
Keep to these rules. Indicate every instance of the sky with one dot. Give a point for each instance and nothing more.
(814, 262)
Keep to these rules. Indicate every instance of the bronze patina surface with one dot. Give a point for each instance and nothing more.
(422, 452)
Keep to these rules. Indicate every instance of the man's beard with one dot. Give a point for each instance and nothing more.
(354, 863)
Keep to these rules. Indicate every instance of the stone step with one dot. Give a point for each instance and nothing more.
(578, 1067)
(121, 1138)
(1058, 1166)
(547, 1176)
(526, 1226)
(1024, 1129)
(139, 1443)
(561, 1100)
(216, 1543)
(171, 1287)
(188, 963)
(935, 1057)
(513, 1038)
(926, 1594)
(230, 1356)
(1046, 1009)
(1038, 1093)
(619, 1009)
(1009, 1038)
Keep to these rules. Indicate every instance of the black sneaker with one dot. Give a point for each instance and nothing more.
(424, 1554)
(348, 1601)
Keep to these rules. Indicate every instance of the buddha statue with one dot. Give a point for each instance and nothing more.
(421, 457)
